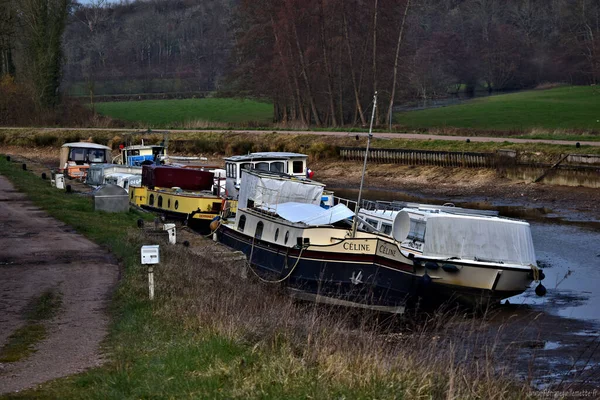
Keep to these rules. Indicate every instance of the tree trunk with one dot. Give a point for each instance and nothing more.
(311, 99)
(352, 72)
(283, 63)
(327, 66)
(375, 56)
(393, 95)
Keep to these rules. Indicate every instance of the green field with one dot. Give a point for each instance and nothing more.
(573, 107)
(176, 113)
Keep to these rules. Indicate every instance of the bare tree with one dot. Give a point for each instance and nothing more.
(42, 26)
(7, 36)
(393, 92)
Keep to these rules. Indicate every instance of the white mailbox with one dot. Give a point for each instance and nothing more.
(150, 254)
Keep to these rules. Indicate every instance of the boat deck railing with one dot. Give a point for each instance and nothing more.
(381, 205)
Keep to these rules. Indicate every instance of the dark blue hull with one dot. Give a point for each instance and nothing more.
(358, 278)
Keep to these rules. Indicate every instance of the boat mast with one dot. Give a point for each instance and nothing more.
(362, 179)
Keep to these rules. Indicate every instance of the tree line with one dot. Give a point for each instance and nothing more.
(319, 61)
(322, 60)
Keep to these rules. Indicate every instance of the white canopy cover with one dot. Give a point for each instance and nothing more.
(312, 214)
(269, 189)
(489, 239)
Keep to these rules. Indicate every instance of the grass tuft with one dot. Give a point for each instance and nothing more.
(22, 342)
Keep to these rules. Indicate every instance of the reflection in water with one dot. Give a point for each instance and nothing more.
(571, 257)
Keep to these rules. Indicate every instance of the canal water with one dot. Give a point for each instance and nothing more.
(558, 336)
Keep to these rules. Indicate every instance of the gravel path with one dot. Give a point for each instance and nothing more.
(39, 253)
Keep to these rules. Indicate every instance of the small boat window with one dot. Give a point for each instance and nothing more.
(372, 222)
(277, 166)
(151, 201)
(298, 167)
(262, 166)
(131, 195)
(276, 234)
(417, 231)
(386, 229)
(246, 166)
(259, 230)
(176, 204)
(169, 203)
(160, 201)
(242, 223)
(287, 236)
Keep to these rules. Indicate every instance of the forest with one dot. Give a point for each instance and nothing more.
(318, 61)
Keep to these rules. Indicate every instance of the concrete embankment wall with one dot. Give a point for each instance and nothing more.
(576, 169)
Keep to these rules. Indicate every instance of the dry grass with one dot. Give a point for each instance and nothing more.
(445, 355)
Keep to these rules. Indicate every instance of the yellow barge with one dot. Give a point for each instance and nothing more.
(185, 205)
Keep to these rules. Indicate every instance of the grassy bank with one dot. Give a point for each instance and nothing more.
(563, 108)
(216, 144)
(189, 112)
(212, 334)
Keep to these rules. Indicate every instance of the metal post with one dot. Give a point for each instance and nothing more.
(362, 179)
(151, 282)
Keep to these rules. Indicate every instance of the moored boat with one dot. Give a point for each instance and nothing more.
(472, 256)
(179, 193)
(76, 158)
(289, 239)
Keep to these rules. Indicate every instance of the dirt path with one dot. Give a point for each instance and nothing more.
(38, 253)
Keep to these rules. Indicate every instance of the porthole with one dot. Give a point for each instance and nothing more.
(287, 236)
(242, 223)
(151, 201)
(276, 234)
(169, 203)
(176, 204)
(160, 201)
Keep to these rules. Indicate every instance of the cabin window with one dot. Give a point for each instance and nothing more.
(277, 166)
(160, 201)
(287, 236)
(259, 230)
(372, 222)
(417, 231)
(176, 204)
(262, 166)
(77, 154)
(298, 167)
(151, 201)
(242, 223)
(386, 229)
(96, 155)
(276, 234)
(125, 184)
(131, 195)
(169, 203)
(246, 166)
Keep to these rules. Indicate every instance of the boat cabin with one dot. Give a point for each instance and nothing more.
(134, 156)
(76, 158)
(281, 162)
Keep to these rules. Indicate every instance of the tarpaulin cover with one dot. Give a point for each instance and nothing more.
(271, 190)
(312, 214)
(486, 239)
